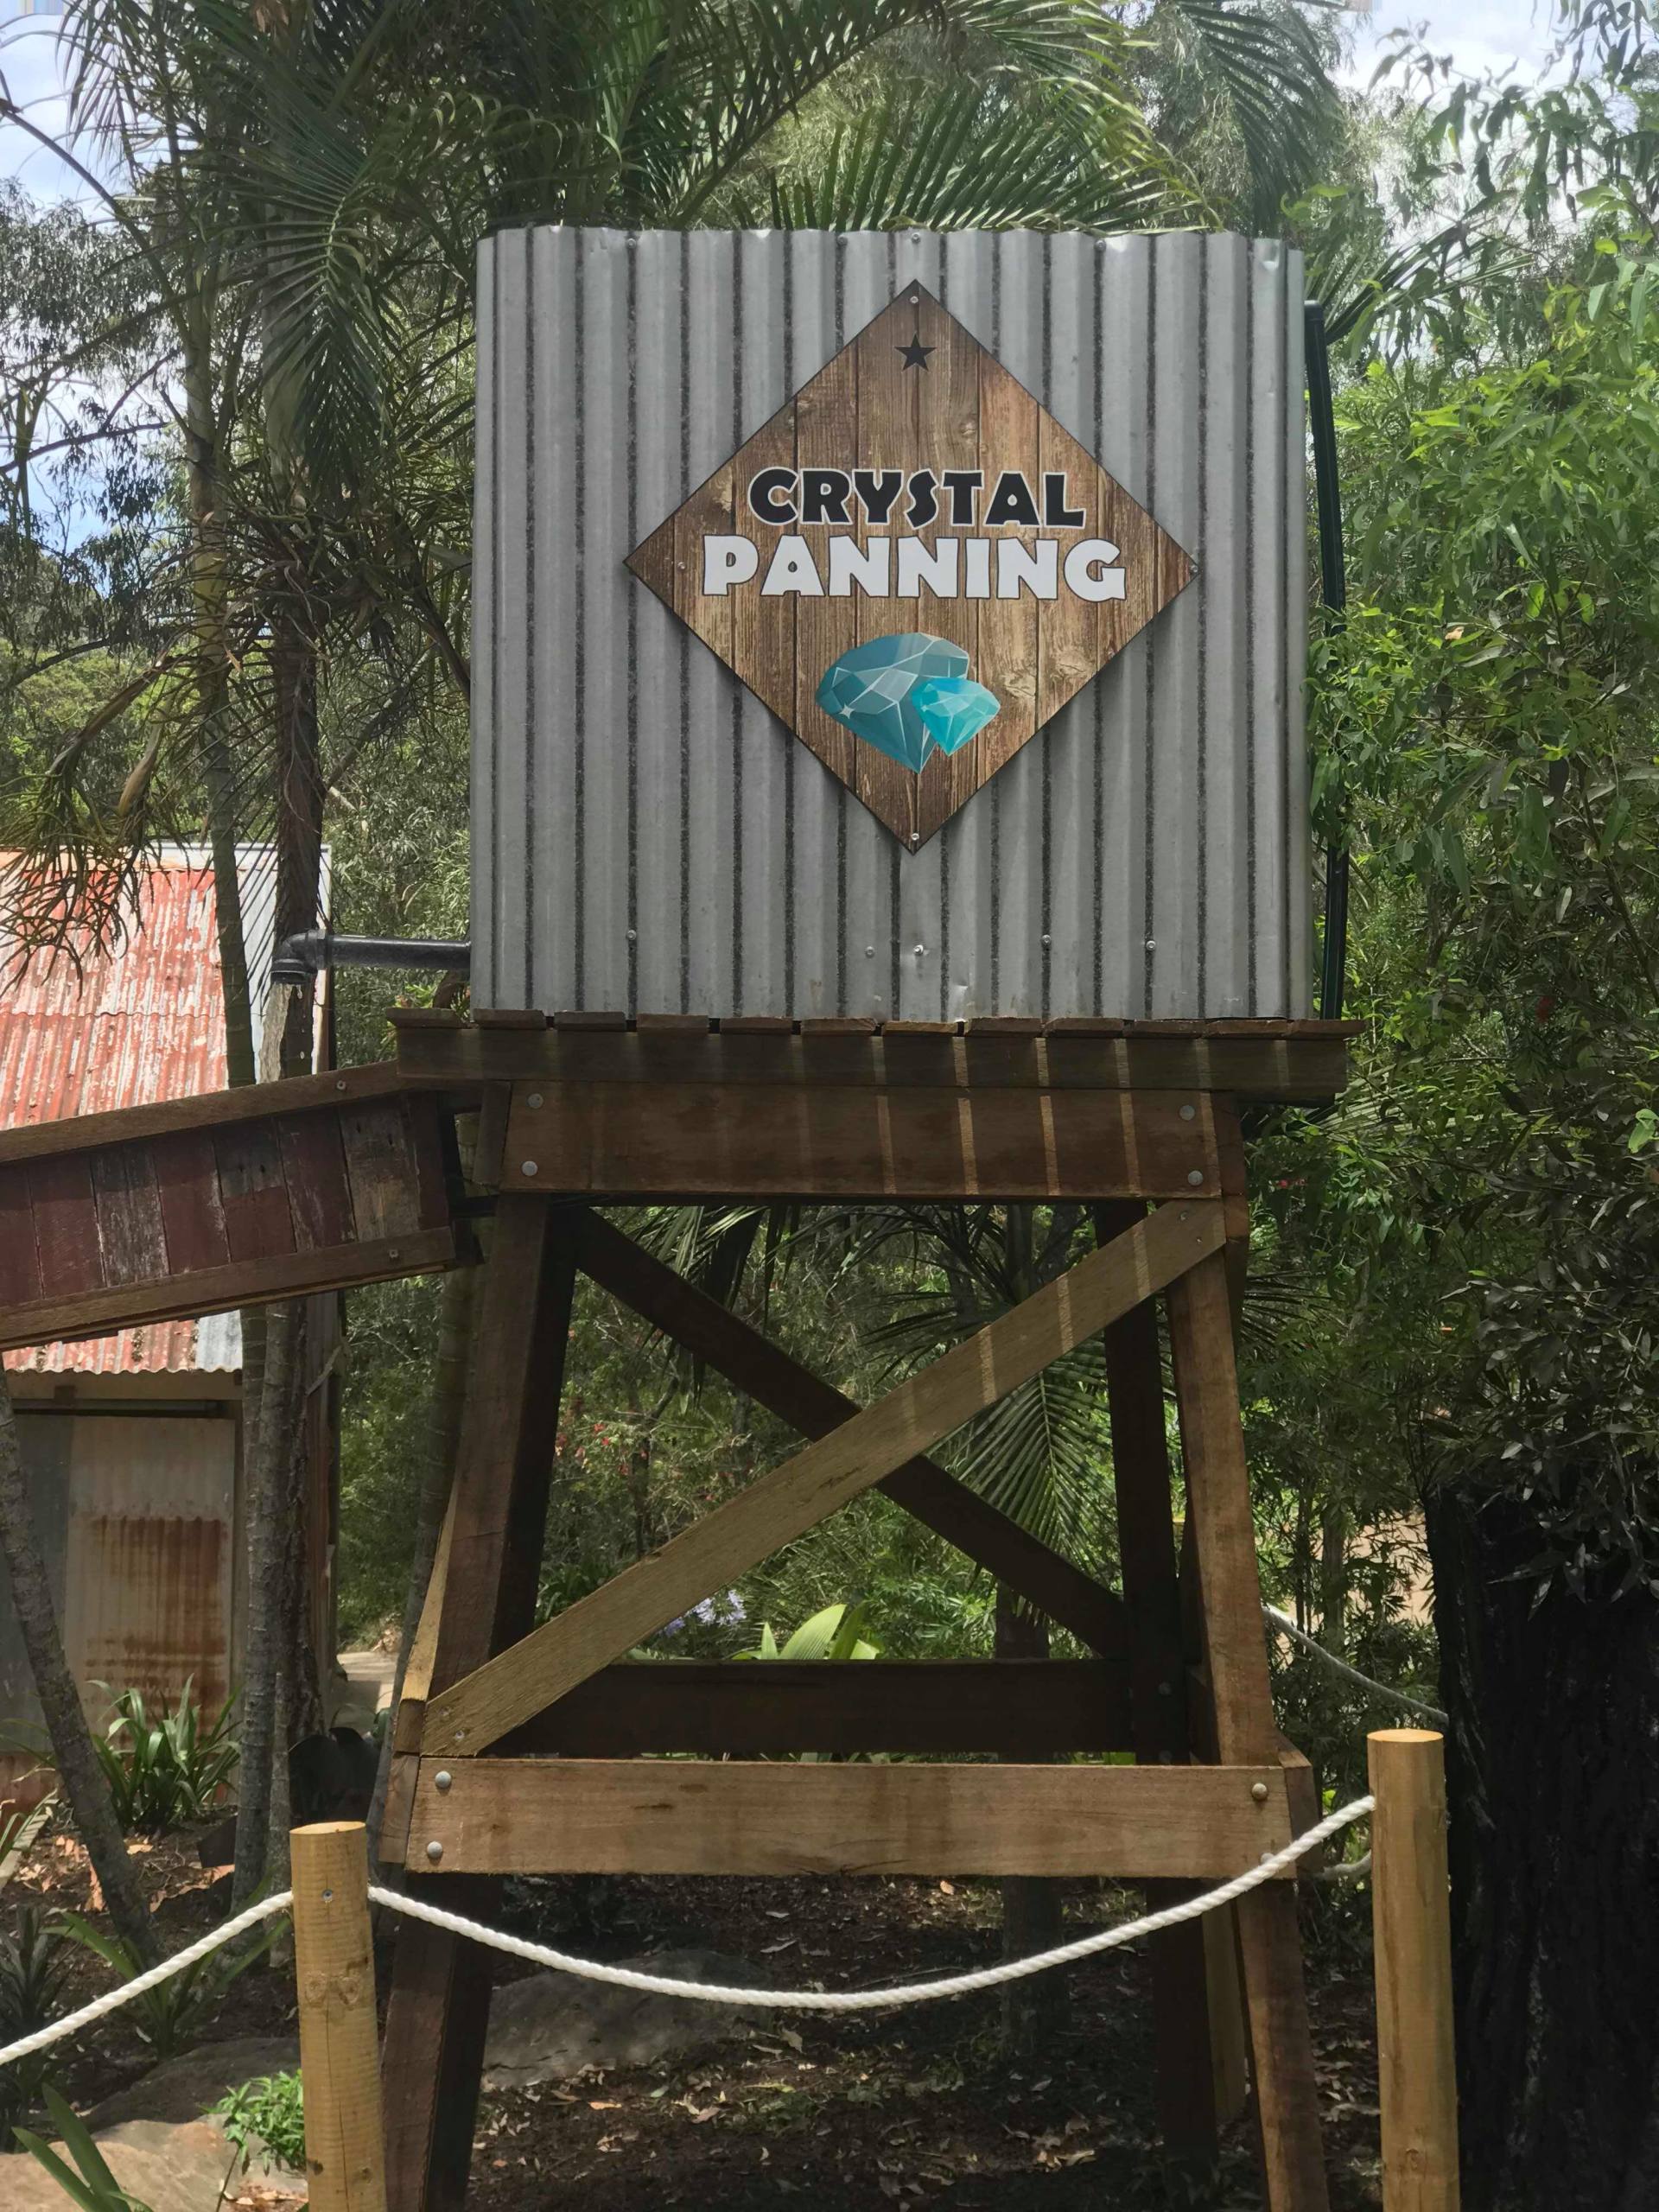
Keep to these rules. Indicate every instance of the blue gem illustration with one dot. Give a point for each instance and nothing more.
(908, 696)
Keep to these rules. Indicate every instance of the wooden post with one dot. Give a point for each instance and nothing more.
(1411, 1918)
(333, 1968)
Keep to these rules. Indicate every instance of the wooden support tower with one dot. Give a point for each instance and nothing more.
(523, 1749)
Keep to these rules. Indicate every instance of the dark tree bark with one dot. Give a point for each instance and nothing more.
(66, 1721)
(267, 1489)
(1555, 1847)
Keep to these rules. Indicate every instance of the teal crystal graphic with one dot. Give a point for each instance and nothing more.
(908, 696)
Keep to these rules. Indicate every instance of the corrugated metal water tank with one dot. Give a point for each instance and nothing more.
(646, 836)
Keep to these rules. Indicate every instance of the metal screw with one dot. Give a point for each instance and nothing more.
(534, 1099)
(327, 1897)
(869, 952)
(435, 1852)
(1047, 940)
(679, 564)
(1259, 1791)
(444, 1778)
(394, 1252)
(1195, 1175)
(527, 1167)
(1187, 1112)
(1152, 944)
(1165, 1690)
(921, 952)
(633, 937)
(915, 836)
(340, 1084)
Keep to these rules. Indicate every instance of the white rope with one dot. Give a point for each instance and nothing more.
(1341, 1667)
(113, 1999)
(869, 2001)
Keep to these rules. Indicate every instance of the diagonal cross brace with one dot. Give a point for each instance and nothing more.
(711, 1331)
(779, 1506)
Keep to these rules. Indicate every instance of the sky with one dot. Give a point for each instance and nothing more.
(1480, 37)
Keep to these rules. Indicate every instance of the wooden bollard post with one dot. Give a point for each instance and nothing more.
(1411, 1921)
(334, 1966)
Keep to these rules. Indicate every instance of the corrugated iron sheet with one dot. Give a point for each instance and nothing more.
(646, 836)
(144, 1023)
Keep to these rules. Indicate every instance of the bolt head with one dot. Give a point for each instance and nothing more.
(1259, 1791)
(633, 937)
(435, 1852)
(1195, 1175)
(534, 1099)
(1188, 1113)
(1047, 940)
(443, 1778)
(527, 1167)
(340, 1083)
(921, 952)
(394, 1252)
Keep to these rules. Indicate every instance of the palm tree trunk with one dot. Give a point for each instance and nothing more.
(267, 1494)
(65, 1720)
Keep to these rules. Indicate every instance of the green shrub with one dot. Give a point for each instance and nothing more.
(164, 1768)
(169, 2017)
(32, 1969)
(271, 2111)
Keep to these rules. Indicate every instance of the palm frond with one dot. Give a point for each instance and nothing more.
(950, 160)
(1256, 71)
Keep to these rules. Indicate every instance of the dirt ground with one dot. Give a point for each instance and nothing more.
(923, 2107)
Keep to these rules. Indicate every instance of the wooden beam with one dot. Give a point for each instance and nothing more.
(1224, 1533)
(783, 1504)
(212, 1109)
(1260, 1060)
(712, 1332)
(1184, 2074)
(688, 1816)
(739, 1709)
(439, 2009)
(855, 1141)
(239, 1282)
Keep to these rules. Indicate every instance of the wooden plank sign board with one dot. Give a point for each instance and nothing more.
(194, 1205)
(913, 565)
(692, 1816)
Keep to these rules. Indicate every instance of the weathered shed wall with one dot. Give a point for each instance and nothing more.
(646, 836)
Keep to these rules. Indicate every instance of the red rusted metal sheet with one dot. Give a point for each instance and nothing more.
(144, 1023)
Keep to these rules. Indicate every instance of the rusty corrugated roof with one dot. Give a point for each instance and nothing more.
(141, 1024)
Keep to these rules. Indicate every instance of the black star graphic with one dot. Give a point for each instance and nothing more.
(916, 353)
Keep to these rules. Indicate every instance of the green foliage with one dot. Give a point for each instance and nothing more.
(164, 1767)
(269, 2111)
(89, 2183)
(171, 2017)
(835, 1632)
(32, 1969)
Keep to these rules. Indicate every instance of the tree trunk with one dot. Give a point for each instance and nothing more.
(267, 1491)
(66, 1721)
(1031, 1916)
(1554, 1846)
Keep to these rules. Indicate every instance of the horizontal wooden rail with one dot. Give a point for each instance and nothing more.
(823, 1140)
(210, 1109)
(1267, 1059)
(688, 1816)
(1027, 1706)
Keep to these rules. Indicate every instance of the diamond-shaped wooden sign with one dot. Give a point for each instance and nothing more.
(913, 565)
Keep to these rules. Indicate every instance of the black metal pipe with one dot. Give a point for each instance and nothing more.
(1334, 577)
(309, 952)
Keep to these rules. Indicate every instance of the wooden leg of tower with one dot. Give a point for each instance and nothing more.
(1218, 1511)
(1183, 2070)
(440, 2005)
